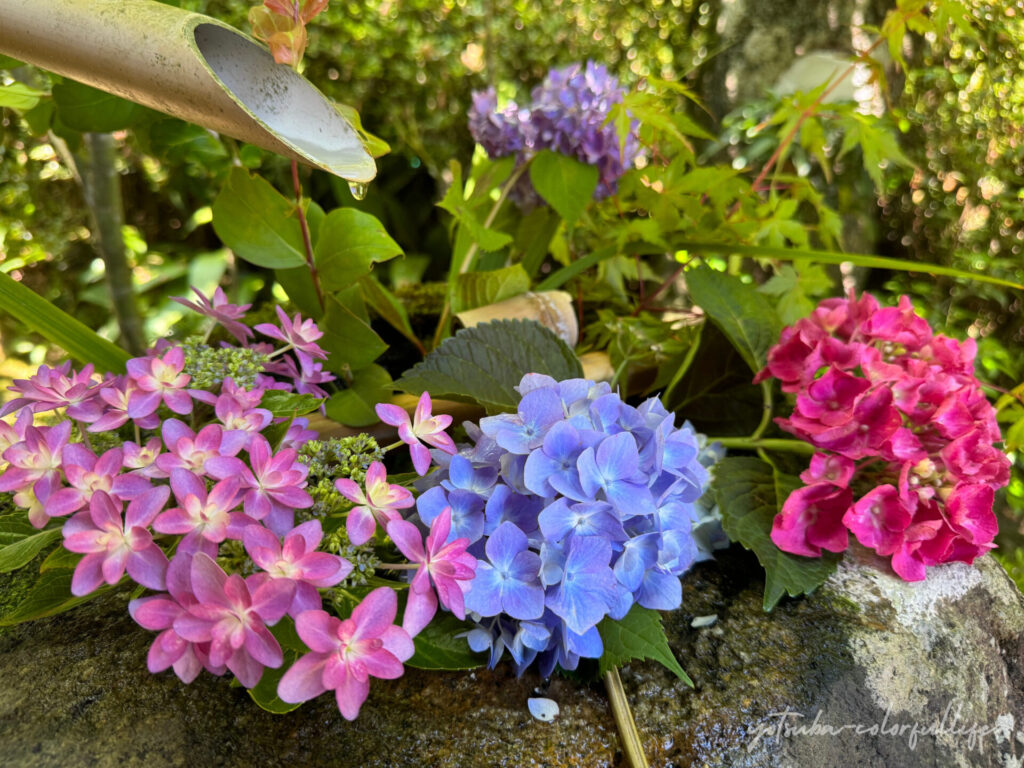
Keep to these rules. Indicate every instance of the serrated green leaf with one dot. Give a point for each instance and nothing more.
(478, 289)
(292, 404)
(20, 541)
(264, 693)
(438, 648)
(19, 96)
(88, 109)
(750, 493)
(566, 184)
(258, 223)
(354, 406)
(350, 243)
(743, 315)
(638, 635)
(71, 335)
(486, 362)
(50, 595)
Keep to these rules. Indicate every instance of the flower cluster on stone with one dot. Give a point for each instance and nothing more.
(575, 508)
(568, 114)
(175, 474)
(901, 423)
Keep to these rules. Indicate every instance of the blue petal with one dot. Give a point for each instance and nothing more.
(504, 544)
(431, 503)
(588, 644)
(660, 591)
(522, 600)
(484, 597)
(617, 457)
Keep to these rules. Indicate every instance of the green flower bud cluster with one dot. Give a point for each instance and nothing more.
(209, 366)
(364, 564)
(233, 558)
(340, 457)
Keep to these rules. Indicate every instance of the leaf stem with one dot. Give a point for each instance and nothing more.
(763, 443)
(467, 260)
(632, 747)
(306, 240)
(766, 414)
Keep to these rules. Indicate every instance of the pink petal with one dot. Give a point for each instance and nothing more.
(304, 680)
(423, 408)
(375, 613)
(397, 641)
(419, 611)
(145, 507)
(322, 569)
(272, 599)
(88, 574)
(408, 539)
(247, 669)
(262, 646)
(148, 567)
(155, 612)
(420, 458)
(209, 581)
(360, 525)
(318, 630)
(383, 664)
(392, 414)
(350, 695)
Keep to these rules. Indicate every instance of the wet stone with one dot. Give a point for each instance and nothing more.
(865, 650)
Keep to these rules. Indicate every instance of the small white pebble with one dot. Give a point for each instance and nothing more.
(704, 621)
(543, 709)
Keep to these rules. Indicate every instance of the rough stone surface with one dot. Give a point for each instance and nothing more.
(865, 650)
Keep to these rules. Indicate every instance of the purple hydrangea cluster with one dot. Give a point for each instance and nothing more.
(173, 469)
(568, 114)
(576, 507)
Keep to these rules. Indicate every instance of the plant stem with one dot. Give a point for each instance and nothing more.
(766, 414)
(306, 240)
(632, 747)
(467, 260)
(763, 443)
(102, 187)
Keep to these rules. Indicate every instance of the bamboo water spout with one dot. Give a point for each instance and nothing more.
(189, 66)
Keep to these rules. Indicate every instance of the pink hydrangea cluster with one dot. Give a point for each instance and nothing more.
(904, 433)
(191, 474)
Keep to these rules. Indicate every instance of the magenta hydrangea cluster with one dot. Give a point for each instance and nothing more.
(568, 114)
(574, 508)
(904, 433)
(159, 472)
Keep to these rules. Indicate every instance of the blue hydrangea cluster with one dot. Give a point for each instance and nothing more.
(577, 507)
(567, 115)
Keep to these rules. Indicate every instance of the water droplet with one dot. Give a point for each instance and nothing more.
(358, 189)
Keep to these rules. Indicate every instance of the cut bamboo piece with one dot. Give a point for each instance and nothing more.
(552, 309)
(189, 66)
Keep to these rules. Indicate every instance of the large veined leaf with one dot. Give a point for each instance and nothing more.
(437, 646)
(50, 595)
(486, 362)
(258, 223)
(350, 243)
(477, 289)
(89, 109)
(750, 492)
(743, 314)
(74, 337)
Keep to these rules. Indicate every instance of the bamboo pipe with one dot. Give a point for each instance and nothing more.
(189, 66)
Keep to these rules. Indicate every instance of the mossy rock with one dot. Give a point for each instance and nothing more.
(865, 649)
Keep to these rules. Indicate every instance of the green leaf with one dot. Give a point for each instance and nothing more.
(836, 257)
(486, 362)
(60, 558)
(744, 315)
(385, 304)
(437, 646)
(292, 404)
(354, 406)
(179, 141)
(264, 693)
(88, 109)
(74, 337)
(350, 243)
(19, 96)
(638, 635)
(257, 222)
(20, 541)
(750, 493)
(564, 182)
(348, 340)
(50, 595)
(796, 291)
(478, 289)
(455, 203)
(9, 62)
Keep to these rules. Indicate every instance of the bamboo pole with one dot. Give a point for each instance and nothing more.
(190, 66)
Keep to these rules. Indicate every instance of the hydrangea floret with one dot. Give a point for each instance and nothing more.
(906, 460)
